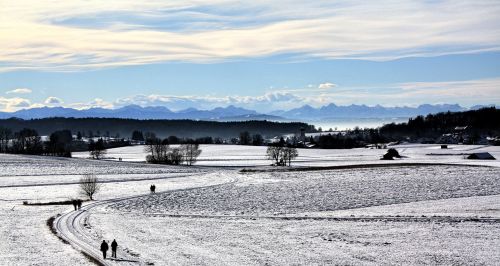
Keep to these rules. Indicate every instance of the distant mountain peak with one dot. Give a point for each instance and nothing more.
(305, 113)
(332, 111)
(306, 107)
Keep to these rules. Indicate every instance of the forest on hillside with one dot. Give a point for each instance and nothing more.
(162, 128)
(485, 121)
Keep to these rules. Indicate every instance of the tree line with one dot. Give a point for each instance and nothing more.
(59, 143)
(28, 141)
(163, 128)
(140, 136)
(349, 139)
(485, 121)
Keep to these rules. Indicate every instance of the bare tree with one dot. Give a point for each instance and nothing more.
(158, 150)
(175, 156)
(288, 154)
(150, 148)
(97, 149)
(89, 185)
(274, 153)
(191, 152)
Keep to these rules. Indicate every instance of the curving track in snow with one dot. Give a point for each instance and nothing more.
(71, 227)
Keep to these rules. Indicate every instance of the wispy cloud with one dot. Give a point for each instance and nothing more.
(468, 92)
(19, 91)
(81, 34)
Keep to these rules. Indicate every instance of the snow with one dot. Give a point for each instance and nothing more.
(24, 228)
(324, 191)
(226, 241)
(249, 156)
(475, 206)
(212, 214)
(27, 240)
(26, 165)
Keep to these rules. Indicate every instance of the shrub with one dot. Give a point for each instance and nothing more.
(391, 154)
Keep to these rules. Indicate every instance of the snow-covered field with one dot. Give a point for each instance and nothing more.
(216, 215)
(248, 156)
(26, 165)
(287, 193)
(228, 241)
(26, 238)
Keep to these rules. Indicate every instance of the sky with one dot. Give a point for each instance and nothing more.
(262, 55)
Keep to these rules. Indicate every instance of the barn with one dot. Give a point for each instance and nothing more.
(481, 156)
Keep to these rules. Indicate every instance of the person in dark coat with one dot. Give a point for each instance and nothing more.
(154, 188)
(74, 204)
(104, 248)
(114, 245)
(79, 203)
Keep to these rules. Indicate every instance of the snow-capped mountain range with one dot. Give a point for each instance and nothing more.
(305, 112)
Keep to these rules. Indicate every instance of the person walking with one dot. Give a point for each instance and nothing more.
(104, 248)
(114, 245)
(154, 188)
(79, 203)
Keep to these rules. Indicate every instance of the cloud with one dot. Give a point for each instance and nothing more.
(53, 101)
(19, 91)
(13, 104)
(465, 93)
(265, 102)
(95, 103)
(326, 85)
(80, 34)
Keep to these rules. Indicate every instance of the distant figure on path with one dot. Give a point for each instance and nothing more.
(104, 248)
(79, 203)
(152, 188)
(114, 245)
(75, 204)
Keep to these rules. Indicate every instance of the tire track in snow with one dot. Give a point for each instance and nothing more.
(70, 227)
